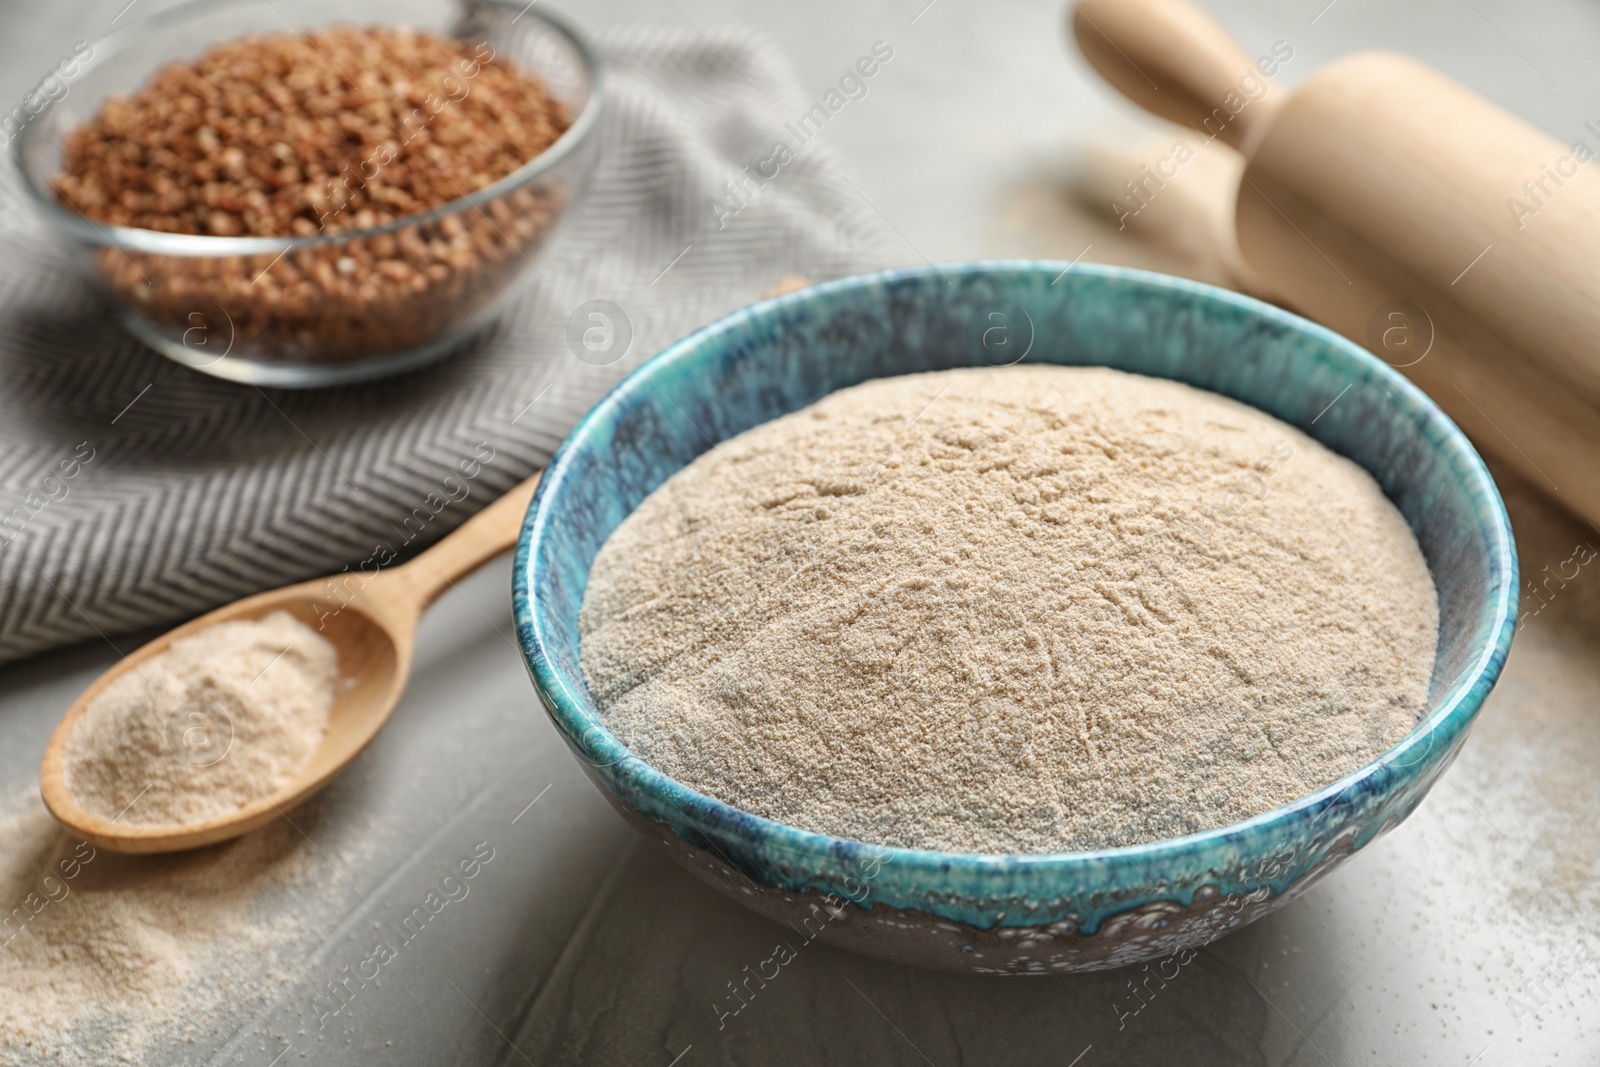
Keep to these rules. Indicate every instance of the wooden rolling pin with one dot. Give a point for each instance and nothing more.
(1409, 214)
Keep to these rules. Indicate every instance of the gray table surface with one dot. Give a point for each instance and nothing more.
(1468, 936)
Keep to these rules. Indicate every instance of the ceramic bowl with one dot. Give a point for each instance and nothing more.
(1031, 914)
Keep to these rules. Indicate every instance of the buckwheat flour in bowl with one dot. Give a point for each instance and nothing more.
(933, 611)
(223, 718)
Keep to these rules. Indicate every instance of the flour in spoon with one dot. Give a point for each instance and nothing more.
(1018, 610)
(220, 721)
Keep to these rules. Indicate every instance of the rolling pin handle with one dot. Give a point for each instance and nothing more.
(1173, 59)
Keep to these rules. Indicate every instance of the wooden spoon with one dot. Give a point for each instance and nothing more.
(372, 622)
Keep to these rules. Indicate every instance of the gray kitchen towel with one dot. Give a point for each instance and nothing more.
(186, 492)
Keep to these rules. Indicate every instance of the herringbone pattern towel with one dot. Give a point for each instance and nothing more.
(187, 492)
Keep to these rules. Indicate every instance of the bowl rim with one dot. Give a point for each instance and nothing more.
(195, 244)
(597, 747)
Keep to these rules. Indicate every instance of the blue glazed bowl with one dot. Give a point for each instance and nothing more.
(1036, 913)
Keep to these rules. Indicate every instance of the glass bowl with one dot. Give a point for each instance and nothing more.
(329, 308)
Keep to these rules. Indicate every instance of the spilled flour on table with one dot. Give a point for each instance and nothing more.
(103, 956)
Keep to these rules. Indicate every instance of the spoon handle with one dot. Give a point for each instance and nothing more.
(485, 535)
